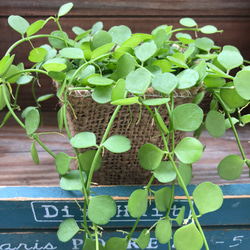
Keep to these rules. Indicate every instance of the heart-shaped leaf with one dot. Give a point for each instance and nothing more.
(187, 117)
(18, 23)
(72, 53)
(162, 199)
(189, 150)
(83, 140)
(120, 34)
(150, 156)
(165, 83)
(101, 208)
(241, 83)
(208, 197)
(62, 163)
(143, 239)
(165, 172)
(188, 235)
(67, 229)
(163, 231)
(138, 203)
(138, 81)
(86, 160)
(91, 245)
(204, 43)
(100, 38)
(230, 168)
(115, 243)
(117, 144)
(37, 54)
(187, 78)
(145, 51)
(102, 94)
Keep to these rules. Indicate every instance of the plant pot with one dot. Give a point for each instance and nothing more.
(124, 168)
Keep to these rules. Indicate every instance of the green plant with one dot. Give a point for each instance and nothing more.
(118, 67)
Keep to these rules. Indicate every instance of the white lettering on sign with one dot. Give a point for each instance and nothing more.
(23, 246)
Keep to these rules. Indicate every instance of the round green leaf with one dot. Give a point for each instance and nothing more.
(165, 83)
(102, 94)
(165, 172)
(187, 117)
(188, 22)
(64, 9)
(204, 43)
(178, 61)
(115, 243)
(55, 64)
(230, 57)
(24, 79)
(163, 231)
(138, 81)
(118, 91)
(215, 123)
(117, 144)
(83, 140)
(72, 180)
(230, 168)
(67, 230)
(138, 203)
(145, 51)
(100, 81)
(164, 65)
(35, 27)
(188, 235)
(62, 163)
(150, 156)
(186, 174)
(18, 23)
(189, 150)
(37, 55)
(162, 199)
(120, 34)
(102, 51)
(214, 81)
(231, 97)
(5, 64)
(34, 153)
(208, 29)
(187, 78)
(208, 197)
(241, 83)
(86, 160)
(91, 245)
(100, 38)
(58, 43)
(72, 53)
(32, 121)
(12, 74)
(101, 208)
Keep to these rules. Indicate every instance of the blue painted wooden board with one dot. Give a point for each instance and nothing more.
(34, 213)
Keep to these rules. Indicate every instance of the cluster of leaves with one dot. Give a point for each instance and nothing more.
(118, 67)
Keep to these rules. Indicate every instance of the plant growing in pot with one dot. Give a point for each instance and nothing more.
(115, 84)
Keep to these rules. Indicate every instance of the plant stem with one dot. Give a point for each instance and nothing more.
(133, 229)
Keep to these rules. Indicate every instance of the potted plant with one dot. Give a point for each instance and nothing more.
(167, 75)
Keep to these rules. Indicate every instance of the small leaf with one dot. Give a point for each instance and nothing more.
(138, 81)
(102, 94)
(72, 53)
(118, 91)
(83, 140)
(35, 27)
(64, 9)
(187, 78)
(163, 231)
(3, 88)
(117, 144)
(187, 117)
(208, 29)
(188, 22)
(34, 153)
(100, 81)
(60, 119)
(189, 150)
(101, 208)
(32, 121)
(18, 23)
(44, 97)
(58, 43)
(143, 239)
(156, 101)
(150, 156)
(215, 123)
(5, 64)
(115, 243)
(212, 81)
(55, 64)
(204, 43)
(230, 168)
(162, 199)
(72, 180)
(145, 51)
(186, 174)
(86, 160)
(62, 163)
(91, 245)
(24, 79)
(67, 229)
(127, 101)
(160, 121)
(188, 235)
(100, 39)
(241, 83)
(245, 119)
(165, 83)
(208, 197)
(37, 55)
(138, 203)
(120, 34)
(179, 219)
(165, 172)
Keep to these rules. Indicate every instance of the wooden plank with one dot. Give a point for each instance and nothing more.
(129, 7)
(218, 239)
